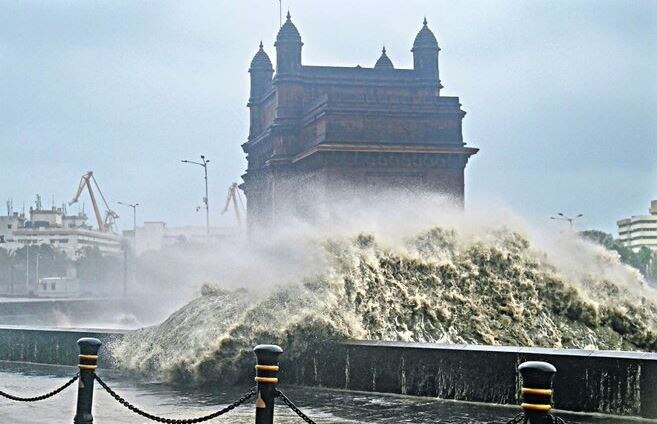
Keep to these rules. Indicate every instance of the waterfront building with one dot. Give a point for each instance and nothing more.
(640, 230)
(315, 128)
(58, 287)
(9, 223)
(68, 233)
(156, 235)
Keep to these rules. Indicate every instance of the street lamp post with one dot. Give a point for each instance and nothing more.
(38, 256)
(125, 246)
(27, 264)
(27, 267)
(204, 163)
(134, 215)
(561, 217)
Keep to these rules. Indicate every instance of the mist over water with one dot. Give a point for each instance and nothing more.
(396, 266)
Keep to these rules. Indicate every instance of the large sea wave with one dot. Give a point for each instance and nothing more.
(447, 284)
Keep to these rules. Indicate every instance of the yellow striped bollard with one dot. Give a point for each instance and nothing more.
(537, 390)
(88, 361)
(267, 378)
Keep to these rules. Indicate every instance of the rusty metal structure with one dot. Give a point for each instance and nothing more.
(317, 127)
(106, 223)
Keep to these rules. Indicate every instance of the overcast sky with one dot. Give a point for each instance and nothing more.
(561, 95)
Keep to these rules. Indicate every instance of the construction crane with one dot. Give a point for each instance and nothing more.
(235, 198)
(105, 224)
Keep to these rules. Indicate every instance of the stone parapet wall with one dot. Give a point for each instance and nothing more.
(50, 346)
(620, 383)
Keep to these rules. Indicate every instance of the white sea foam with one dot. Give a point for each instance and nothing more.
(413, 270)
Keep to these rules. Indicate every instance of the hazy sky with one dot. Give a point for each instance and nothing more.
(561, 95)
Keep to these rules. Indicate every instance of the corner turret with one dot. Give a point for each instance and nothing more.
(288, 49)
(261, 71)
(425, 55)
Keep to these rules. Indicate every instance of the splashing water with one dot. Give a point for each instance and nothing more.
(450, 283)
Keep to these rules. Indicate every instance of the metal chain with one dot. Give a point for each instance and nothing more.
(293, 407)
(522, 419)
(518, 419)
(248, 395)
(557, 420)
(42, 397)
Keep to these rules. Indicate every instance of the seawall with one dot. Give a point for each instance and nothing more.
(619, 383)
(72, 312)
(50, 346)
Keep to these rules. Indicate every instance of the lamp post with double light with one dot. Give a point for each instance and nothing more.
(571, 220)
(204, 163)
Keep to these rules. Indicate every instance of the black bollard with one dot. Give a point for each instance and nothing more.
(87, 364)
(267, 378)
(537, 390)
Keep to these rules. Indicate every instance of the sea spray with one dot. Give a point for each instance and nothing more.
(489, 286)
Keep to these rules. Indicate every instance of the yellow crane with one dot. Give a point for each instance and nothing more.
(105, 224)
(235, 198)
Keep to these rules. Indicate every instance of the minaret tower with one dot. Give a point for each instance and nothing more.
(425, 56)
(261, 71)
(288, 49)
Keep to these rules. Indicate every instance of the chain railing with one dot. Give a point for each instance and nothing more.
(293, 407)
(536, 391)
(524, 419)
(248, 395)
(41, 397)
(518, 419)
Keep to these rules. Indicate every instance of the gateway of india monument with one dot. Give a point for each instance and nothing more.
(320, 130)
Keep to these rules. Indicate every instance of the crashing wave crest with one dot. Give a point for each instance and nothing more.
(437, 286)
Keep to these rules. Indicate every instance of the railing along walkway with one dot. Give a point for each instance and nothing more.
(536, 391)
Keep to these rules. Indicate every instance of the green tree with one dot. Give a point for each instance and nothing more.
(643, 260)
(6, 263)
(98, 273)
(43, 261)
(652, 267)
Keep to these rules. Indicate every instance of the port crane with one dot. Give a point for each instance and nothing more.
(106, 223)
(235, 198)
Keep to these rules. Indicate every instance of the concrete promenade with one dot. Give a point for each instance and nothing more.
(619, 383)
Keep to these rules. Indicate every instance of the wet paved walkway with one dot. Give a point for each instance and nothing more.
(324, 406)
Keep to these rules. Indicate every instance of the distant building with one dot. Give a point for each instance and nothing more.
(8, 224)
(317, 128)
(640, 230)
(58, 287)
(155, 235)
(68, 233)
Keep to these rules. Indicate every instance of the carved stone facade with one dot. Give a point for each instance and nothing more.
(318, 127)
